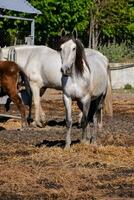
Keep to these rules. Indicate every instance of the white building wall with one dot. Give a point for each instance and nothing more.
(121, 77)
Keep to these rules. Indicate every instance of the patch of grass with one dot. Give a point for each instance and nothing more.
(128, 87)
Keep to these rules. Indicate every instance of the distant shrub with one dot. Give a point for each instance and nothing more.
(116, 52)
(128, 87)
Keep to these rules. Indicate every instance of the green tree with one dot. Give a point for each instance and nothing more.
(111, 19)
(57, 14)
(97, 21)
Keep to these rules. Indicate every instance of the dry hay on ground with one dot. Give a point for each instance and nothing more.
(82, 172)
(34, 165)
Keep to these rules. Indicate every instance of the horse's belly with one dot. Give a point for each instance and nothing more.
(97, 90)
(52, 80)
(99, 83)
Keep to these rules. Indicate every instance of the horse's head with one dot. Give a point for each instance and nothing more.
(71, 51)
(68, 54)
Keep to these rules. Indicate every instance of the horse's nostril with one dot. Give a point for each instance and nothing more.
(68, 70)
(65, 70)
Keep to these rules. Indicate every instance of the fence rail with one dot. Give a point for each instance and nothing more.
(119, 67)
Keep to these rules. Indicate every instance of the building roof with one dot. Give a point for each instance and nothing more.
(18, 5)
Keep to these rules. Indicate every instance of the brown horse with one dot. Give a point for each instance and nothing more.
(9, 76)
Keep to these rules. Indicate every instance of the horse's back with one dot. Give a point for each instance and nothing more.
(22, 53)
(96, 55)
(98, 63)
(45, 64)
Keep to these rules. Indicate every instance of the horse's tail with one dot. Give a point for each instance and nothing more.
(26, 94)
(108, 105)
(25, 81)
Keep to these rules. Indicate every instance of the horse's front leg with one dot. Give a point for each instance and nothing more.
(36, 98)
(68, 103)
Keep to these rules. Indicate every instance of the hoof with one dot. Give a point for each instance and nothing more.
(26, 128)
(67, 146)
(100, 126)
(24, 125)
(37, 124)
(84, 141)
(44, 123)
(93, 141)
(29, 120)
(79, 126)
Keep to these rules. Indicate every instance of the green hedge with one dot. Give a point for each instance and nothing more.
(117, 53)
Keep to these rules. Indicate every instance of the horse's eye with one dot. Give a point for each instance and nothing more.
(74, 49)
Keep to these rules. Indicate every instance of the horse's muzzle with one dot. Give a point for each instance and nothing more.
(66, 71)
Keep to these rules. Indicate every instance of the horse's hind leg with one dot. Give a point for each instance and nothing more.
(99, 116)
(84, 121)
(42, 114)
(7, 104)
(95, 108)
(36, 98)
(93, 130)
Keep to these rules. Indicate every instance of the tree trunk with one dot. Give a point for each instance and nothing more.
(90, 30)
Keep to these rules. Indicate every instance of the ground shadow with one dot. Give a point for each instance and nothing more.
(56, 143)
(4, 119)
(56, 123)
(60, 123)
(2, 128)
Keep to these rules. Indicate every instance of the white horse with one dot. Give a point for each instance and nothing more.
(42, 65)
(84, 79)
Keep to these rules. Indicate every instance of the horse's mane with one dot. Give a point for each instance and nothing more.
(80, 53)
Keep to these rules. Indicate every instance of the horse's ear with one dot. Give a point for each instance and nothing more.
(75, 33)
(63, 32)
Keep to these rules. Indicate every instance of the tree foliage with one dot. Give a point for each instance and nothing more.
(57, 14)
(111, 20)
(97, 21)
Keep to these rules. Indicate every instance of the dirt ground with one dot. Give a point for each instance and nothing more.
(35, 166)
